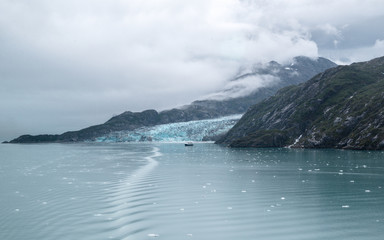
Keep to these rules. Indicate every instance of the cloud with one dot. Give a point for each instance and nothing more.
(96, 58)
(244, 86)
(358, 54)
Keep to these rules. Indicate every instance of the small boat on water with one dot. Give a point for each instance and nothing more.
(188, 144)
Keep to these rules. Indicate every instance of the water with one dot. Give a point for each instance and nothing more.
(168, 191)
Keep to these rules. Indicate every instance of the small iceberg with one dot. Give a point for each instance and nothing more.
(153, 235)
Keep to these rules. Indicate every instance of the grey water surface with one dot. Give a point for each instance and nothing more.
(168, 191)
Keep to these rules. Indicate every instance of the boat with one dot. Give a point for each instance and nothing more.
(188, 144)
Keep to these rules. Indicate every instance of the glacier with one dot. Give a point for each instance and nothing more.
(199, 130)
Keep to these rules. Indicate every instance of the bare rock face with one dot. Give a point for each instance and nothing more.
(340, 108)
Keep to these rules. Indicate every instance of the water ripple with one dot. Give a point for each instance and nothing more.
(129, 200)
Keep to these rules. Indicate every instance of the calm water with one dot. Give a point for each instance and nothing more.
(168, 191)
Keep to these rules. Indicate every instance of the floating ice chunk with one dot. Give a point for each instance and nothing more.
(243, 191)
(229, 208)
(17, 210)
(181, 209)
(153, 235)
(352, 181)
(282, 198)
(367, 191)
(345, 206)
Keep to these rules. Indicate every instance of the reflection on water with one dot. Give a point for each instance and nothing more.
(168, 191)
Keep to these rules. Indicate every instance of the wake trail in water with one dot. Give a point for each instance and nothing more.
(130, 200)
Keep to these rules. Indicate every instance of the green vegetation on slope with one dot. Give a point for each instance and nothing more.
(340, 108)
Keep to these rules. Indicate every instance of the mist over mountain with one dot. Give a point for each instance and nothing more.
(340, 108)
(248, 88)
(262, 81)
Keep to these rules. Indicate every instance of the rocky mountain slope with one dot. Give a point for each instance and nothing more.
(297, 71)
(340, 108)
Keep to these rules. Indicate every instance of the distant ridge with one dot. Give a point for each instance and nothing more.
(340, 108)
(297, 71)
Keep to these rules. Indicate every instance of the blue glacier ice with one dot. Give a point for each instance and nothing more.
(175, 132)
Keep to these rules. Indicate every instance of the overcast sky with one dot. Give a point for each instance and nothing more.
(66, 65)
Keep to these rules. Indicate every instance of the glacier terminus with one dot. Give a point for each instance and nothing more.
(200, 130)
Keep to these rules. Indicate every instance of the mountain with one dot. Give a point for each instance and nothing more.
(340, 108)
(235, 98)
(299, 70)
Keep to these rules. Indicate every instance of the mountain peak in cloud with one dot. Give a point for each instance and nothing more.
(270, 75)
